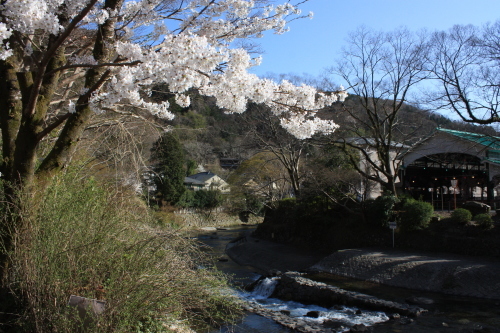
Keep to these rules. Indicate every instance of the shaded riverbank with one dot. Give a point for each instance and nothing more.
(447, 314)
(445, 273)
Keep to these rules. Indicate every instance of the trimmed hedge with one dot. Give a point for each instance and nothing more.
(484, 221)
(416, 215)
(461, 215)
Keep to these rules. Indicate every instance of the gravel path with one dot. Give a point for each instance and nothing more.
(451, 274)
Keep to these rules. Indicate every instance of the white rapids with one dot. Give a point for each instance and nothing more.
(345, 316)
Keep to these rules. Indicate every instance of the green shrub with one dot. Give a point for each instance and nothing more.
(79, 239)
(201, 199)
(415, 214)
(316, 204)
(254, 204)
(208, 199)
(287, 203)
(484, 221)
(186, 200)
(461, 215)
(379, 211)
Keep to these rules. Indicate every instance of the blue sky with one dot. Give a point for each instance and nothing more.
(312, 45)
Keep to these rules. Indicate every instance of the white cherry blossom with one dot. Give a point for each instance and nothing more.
(185, 45)
(183, 100)
(303, 127)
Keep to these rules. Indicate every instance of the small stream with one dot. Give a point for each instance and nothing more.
(447, 313)
(241, 275)
(343, 316)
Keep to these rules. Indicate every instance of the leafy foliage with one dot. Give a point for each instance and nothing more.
(415, 214)
(261, 175)
(83, 240)
(287, 204)
(461, 215)
(484, 221)
(190, 167)
(380, 211)
(207, 199)
(169, 170)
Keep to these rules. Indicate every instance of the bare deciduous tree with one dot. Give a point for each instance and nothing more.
(380, 70)
(266, 134)
(465, 64)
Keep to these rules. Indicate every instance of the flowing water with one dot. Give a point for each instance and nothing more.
(447, 314)
(345, 316)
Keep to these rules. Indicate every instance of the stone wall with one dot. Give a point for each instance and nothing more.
(212, 219)
(293, 286)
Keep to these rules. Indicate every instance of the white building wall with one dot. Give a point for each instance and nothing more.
(372, 189)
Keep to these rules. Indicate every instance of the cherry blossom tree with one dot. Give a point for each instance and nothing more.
(63, 61)
(266, 135)
(121, 49)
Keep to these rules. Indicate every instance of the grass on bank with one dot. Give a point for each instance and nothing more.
(77, 238)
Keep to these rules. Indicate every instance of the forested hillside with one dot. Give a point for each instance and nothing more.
(208, 133)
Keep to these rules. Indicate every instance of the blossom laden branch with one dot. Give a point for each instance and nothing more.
(196, 54)
(89, 65)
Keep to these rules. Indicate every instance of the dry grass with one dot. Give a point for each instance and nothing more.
(79, 239)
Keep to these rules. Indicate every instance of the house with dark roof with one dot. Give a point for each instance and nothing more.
(206, 181)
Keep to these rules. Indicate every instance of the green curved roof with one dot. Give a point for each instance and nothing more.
(489, 141)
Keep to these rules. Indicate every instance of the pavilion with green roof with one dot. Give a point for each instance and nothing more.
(452, 166)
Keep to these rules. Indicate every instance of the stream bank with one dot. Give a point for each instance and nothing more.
(443, 273)
(447, 314)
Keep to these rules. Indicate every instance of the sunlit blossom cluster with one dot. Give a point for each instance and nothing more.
(26, 16)
(195, 53)
(5, 33)
(303, 127)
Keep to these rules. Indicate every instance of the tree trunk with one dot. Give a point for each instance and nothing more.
(24, 105)
(390, 186)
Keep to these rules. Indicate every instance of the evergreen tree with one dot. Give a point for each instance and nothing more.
(168, 157)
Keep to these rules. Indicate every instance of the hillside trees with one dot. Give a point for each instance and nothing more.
(380, 70)
(260, 176)
(331, 174)
(65, 60)
(42, 52)
(208, 134)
